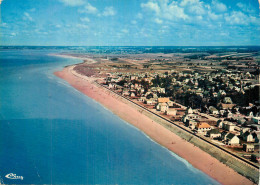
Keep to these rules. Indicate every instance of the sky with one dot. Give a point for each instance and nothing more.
(130, 22)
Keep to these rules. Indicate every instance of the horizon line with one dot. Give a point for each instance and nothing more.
(130, 46)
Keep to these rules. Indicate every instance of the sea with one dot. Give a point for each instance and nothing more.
(50, 133)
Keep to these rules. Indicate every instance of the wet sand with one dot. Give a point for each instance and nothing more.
(194, 155)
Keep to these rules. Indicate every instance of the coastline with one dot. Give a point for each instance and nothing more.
(194, 155)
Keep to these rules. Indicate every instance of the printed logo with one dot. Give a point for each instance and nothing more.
(13, 176)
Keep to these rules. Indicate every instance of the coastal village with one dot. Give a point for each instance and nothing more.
(217, 99)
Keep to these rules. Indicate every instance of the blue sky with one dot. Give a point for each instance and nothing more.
(130, 22)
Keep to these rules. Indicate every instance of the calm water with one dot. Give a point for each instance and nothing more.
(51, 133)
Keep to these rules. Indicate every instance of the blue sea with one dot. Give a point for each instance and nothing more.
(50, 133)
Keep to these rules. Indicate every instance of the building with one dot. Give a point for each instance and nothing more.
(220, 124)
(163, 107)
(249, 147)
(189, 111)
(171, 112)
(214, 133)
(213, 110)
(191, 124)
(163, 100)
(202, 127)
(232, 139)
(248, 137)
(228, 126)
(227, 100)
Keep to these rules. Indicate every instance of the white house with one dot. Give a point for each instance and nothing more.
(248, 137)
(229, 126)
(214, 133)
(232, 139)
(171, 112)
(213, 110)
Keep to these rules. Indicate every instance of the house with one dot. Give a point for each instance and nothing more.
(241, 120)
(213, 110)
(190, 117)
(228, 126)
(227, 100)
(111, 86)
(243, 130)
(189, 111)
(214, 133)
(248, 147)
(163, 100)
(163, 107)
(125, 93)
(220, 124)
(132, 94)
(214, 94)
(221, 93)
(171, 112)
(150, 101)
(226, 106)
(202, 127)
(232, 139)
(142, 99)
(222, 112)
(228, 114)
(191, 124)
(248, 137)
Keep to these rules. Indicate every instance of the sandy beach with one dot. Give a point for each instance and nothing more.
(195, 156)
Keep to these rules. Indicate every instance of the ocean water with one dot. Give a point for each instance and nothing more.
(52, 134)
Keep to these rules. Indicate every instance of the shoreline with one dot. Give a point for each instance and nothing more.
(194, 155)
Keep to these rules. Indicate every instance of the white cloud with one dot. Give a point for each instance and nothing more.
(237, 17)
(158, 21)
(85, 19)
(89, 9)
(109, 11)
(1, 1)
(151, 6)
(189, 2)
(170, 11)
(218, 6)
(246, 8)
(4, 25)
(81, 26)
(139, 16)
(214, 16)
(134, 22)
(27, 16)
(72, 2)
(125, 30)
(13, 34)
(240, 18)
